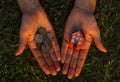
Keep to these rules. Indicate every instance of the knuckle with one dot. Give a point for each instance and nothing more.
(79, 67)
(57, 52)
(52, 52)
(72, 67)
(82, 59)
(66, 64)
(51, 65)
(43, 65)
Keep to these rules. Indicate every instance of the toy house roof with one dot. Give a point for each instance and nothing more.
(76, 33)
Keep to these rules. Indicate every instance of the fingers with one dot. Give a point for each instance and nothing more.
(87, 42)
(80, 62)
(54, 56)
(22, 45)
(56, 48)
(65, 46)
(64, 51)
(50, 64)
(67, 61)
(41, 61)
(83, 54)
(98, 43)
(55, 61)
(73, 64)
(67, 35)
(38, 56)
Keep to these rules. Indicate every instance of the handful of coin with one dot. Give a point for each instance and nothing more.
(43, 39)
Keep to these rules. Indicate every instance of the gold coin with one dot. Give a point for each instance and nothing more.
(42, 31)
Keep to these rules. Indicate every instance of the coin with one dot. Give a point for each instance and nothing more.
(49, 35)
(47, 43)
(44, 38)
(46, 46)
(44, 49)
(42, 31)
(38, 38)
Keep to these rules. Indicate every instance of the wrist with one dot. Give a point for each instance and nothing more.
(32, 10)
(85, 5)
(29, 6)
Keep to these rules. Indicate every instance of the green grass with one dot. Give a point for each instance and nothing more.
(99, 67)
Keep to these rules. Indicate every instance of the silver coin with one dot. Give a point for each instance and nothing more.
(38, 38)
(47, 43)
(49, 35)
(46, 46)
(44, 49)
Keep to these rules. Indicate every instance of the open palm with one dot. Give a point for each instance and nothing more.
(31, 22)
(74, 59)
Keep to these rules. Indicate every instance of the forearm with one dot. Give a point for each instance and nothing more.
(88, 5)
(28, 5)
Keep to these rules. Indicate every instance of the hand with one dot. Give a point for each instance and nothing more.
(31, 22)
(73, 59)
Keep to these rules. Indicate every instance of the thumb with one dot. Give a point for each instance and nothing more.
(22, 46)
(98, 42)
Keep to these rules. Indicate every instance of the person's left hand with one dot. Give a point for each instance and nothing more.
(73, 59)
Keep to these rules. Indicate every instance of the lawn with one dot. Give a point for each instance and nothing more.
(99, 67)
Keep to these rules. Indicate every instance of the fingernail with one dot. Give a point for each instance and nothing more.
(69, 76)
(76, 75)
(104, 50)
(64, 72)
(48, 72)
(58, 68)
(59, 59)
(54, 73)
(17, 54)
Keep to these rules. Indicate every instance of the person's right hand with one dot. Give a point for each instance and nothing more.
(31, 22)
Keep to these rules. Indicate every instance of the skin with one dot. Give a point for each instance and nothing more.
(81, 17)
(33, 18)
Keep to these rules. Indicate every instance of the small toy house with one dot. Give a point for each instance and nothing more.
(76, 40)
